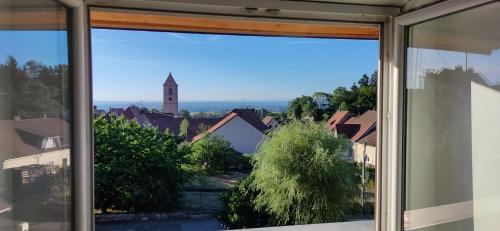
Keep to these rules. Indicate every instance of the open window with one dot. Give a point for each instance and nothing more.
(297, 53)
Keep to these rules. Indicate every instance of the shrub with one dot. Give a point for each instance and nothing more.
(301, 177)
(239, 210)
(212, 154)
(136, 168)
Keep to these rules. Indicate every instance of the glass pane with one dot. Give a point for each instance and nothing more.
(453, 98)
(35, 116)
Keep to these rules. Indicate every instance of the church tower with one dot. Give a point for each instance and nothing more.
(170, 96)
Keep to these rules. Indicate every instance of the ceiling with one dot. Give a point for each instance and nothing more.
(407, 4)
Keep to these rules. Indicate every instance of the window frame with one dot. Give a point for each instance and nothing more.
(388, 117)
(402, 24)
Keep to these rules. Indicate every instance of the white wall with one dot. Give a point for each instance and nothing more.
(55, 158)
(243, 136)
(358, 150)
(485, 156)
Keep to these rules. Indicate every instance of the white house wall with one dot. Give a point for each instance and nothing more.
(55, 158)
(243, 136)
(358, 150)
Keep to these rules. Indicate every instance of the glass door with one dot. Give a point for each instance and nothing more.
(452, 97)
(35, 116)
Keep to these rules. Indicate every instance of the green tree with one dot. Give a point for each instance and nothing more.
(321, 99)
(211, 154)
(358, 99)
(301, 176)
(136, 168)
(33, 89)
(261, 113)
(303, 106)
(183, 129)
(185, 113)
(239, 210)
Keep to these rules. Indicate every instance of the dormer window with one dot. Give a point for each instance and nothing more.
(51, 143)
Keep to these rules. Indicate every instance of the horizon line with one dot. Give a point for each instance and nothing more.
(197, 101)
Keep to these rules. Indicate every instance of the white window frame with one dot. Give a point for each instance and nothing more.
(83, 146)
(391, 67)
(392, 180)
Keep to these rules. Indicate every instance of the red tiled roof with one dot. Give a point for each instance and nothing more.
(5, 207)
(348, 130)
(116, 111)
(172, 124)
(214, 128)
(23, 137)
(367, 122)
(43, 127)
(267, 120)
(249, 115)
(338, 118)
(167, 121)
(370, 138)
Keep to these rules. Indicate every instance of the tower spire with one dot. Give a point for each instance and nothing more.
(170, 97)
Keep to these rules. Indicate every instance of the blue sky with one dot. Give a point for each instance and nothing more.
(47, 47)
(132, 65)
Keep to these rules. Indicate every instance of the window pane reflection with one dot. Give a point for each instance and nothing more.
(452, 126)
(35, 118)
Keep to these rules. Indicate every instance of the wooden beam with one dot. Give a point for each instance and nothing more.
(161, 22)
(37, 19)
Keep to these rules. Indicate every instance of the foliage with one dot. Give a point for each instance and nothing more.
(321, 99)
(183, 128)
(320, 106)
(136, 168)
(261, 113)
(211, 154)
(239, 210)
(33, 89)
(360, 98)
(301, 176)
(202, 128)
(185, 113)
(304, 106)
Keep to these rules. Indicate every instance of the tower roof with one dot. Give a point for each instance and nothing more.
(170, 81)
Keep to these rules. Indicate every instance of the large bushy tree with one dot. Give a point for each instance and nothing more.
(136, 168)
(301, 176)
(362, 96)
(304, 106)
(239, 210)
(359, 98)
(33, 89)
(211, 154)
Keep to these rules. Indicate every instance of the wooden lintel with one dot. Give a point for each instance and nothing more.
(161, 22)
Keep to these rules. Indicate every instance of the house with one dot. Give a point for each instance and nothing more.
(169, 119)
(168, 122)
(116, 111)
(240, 127)
(270, 122)
(361, 131)
(30, 142)
(5, 207)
